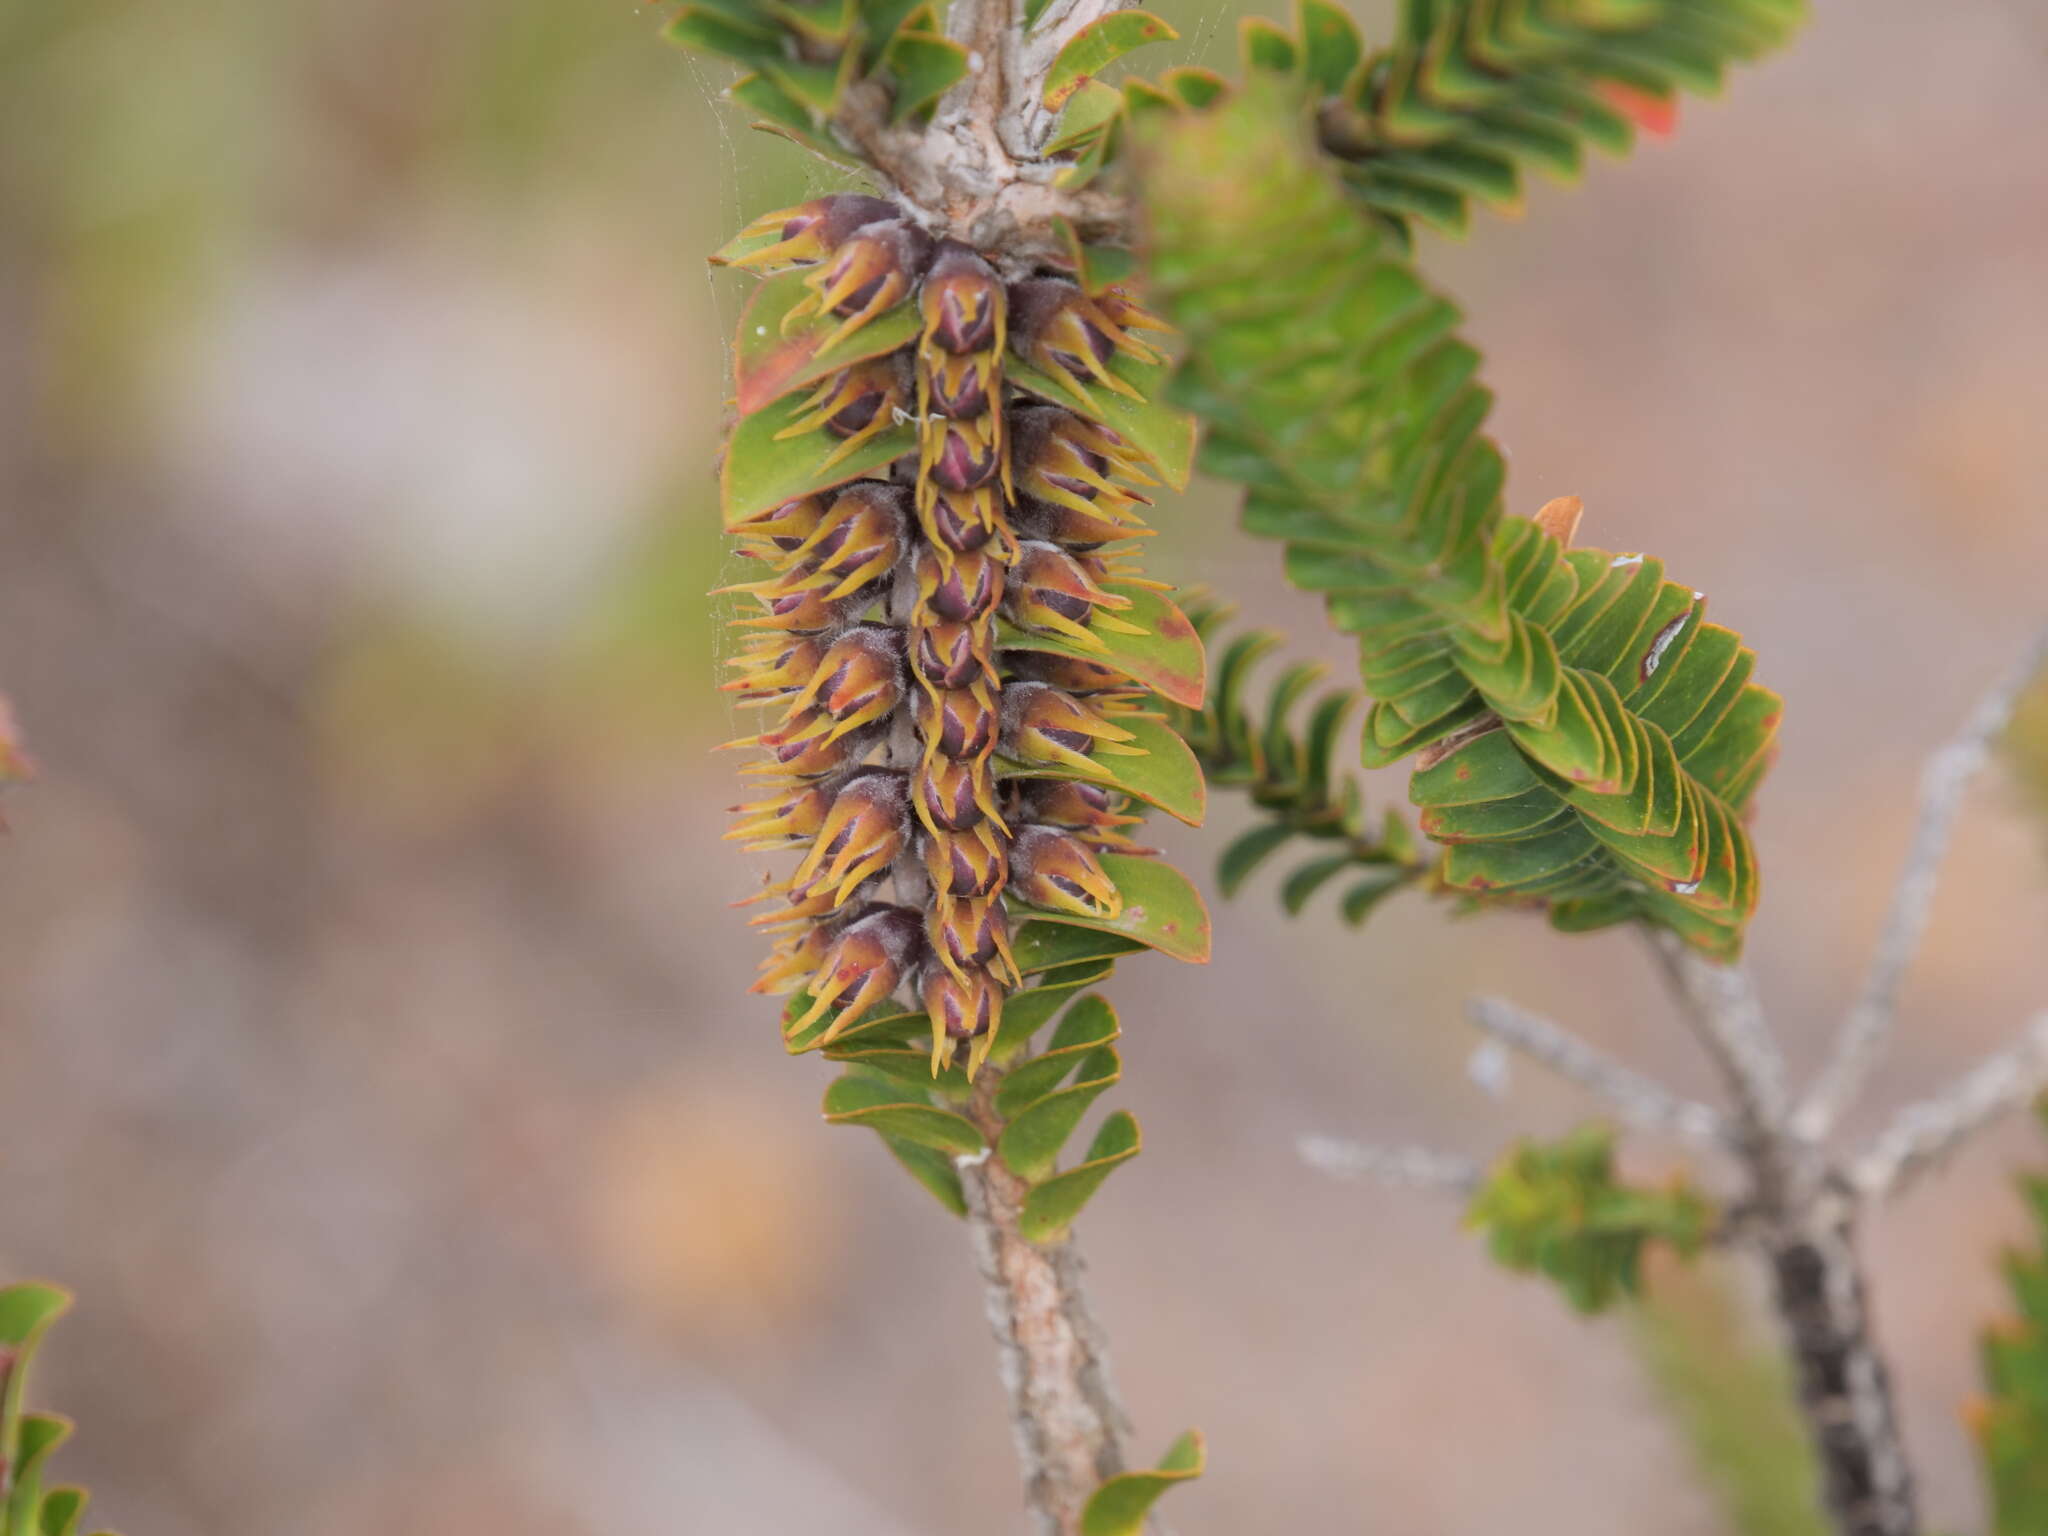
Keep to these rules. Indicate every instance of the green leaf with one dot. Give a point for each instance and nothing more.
(1088, 114)
(1096, 46)
(1051, 946)
(1166, 776)
(760, 472)
(1090, 1023)
(933, 1169)
(62, 1509)
(1025, 1013)
(1310, 878)
(1167, 658)
(1052, 1206)
(1164, 433)
(769, 363)
(1030, 1144)
(925, 67)
(1247, 852)
(1120, 1505)
(885, 1107)
(1161, 909)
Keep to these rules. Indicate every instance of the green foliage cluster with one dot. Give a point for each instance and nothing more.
(2012, 1423)
(27, 1440)
(1558, 1209)
(1471, 93)
(1293, 771)
(1584, 738)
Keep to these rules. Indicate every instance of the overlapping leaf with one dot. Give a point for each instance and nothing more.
(27, 1440)
(2012, 1423)
(1588, 741)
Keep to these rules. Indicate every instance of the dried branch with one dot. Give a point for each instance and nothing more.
(1052, 1354)
(1924, 1135)
(1721, 1004)
(1641, 1101)
(1948, 773)
(1395, 1167)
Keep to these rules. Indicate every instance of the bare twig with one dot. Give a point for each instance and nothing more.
(1053, 1359)
(1639, 1100)
(1395, 1167)
(1923, 1135)
(1948, 773)
(1720, 1002)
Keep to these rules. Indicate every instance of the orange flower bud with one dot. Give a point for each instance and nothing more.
(1057, 871)
(1092, 813)
(950, 655)
(961, 1007)
(1074, 464)
(869, 274)
(780, 667)
(799, 611)
(861, 835)
(960, 387)
(856, 404)
(965, 866)
(793, 960)
(807, 750)
(774, 532)
(1070, 674)
(867, 961)
(971, 935)
(1043, 725)
(963, 454)
(961, 723)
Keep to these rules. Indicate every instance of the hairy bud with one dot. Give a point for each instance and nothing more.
(867, 961)
(861, 834)
(1056, 870)
(1043, 725)
(1052, 592)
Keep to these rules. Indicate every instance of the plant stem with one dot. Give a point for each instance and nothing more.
(1051, 1352)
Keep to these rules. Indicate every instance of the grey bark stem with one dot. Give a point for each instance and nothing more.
(1052, 1355)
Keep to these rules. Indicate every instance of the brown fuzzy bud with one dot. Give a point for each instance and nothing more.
(1048, 590)
(858, 680)
(1043, 725)
(868, 275)
(787, 820)
(794, 959)
(953, 794)
(950, 655)
(971, 935)
(965, 520)
(867, 961)
(861, 834)
(1089, 811)
(855, 404)
(859, 539)
(1068, 673)
(964, 454)
(1058, 328)
(958, 587)
(962, 302)
(774, 532)
(962, 722)
(796, 608)
(1074, 463)
(1056, 870)
(959, 387)
(800, 752)
(809, 232)
(965, 866)
(775, 670)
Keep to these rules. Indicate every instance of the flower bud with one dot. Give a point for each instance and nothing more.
(962, 302)
(869, 274)
(859, 539)
(953, 794)
(1042, 725)
(971, 935)
(960, 587)
(959, 387)
(962, 722)
(796, 609)
(949, 655)
(1074, 464)
(855, 404)
(794, 959)
(866, 963)
(811, 231)
(964, 520)
(1070, 674)
(1048, 590)
(965, 866)
(963, 455)
(961, 1007)
(774, 532)
(782, 666)
(1060, 330)
(861, 835)
(1089, 811)
(787, 820)
(805, 750)
(859, 680)
(1057, 871)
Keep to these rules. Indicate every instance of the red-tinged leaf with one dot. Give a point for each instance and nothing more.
(1098, 45)
(768, 364)
(1656, 115)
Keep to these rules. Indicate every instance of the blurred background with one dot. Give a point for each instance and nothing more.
(375, 1059)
